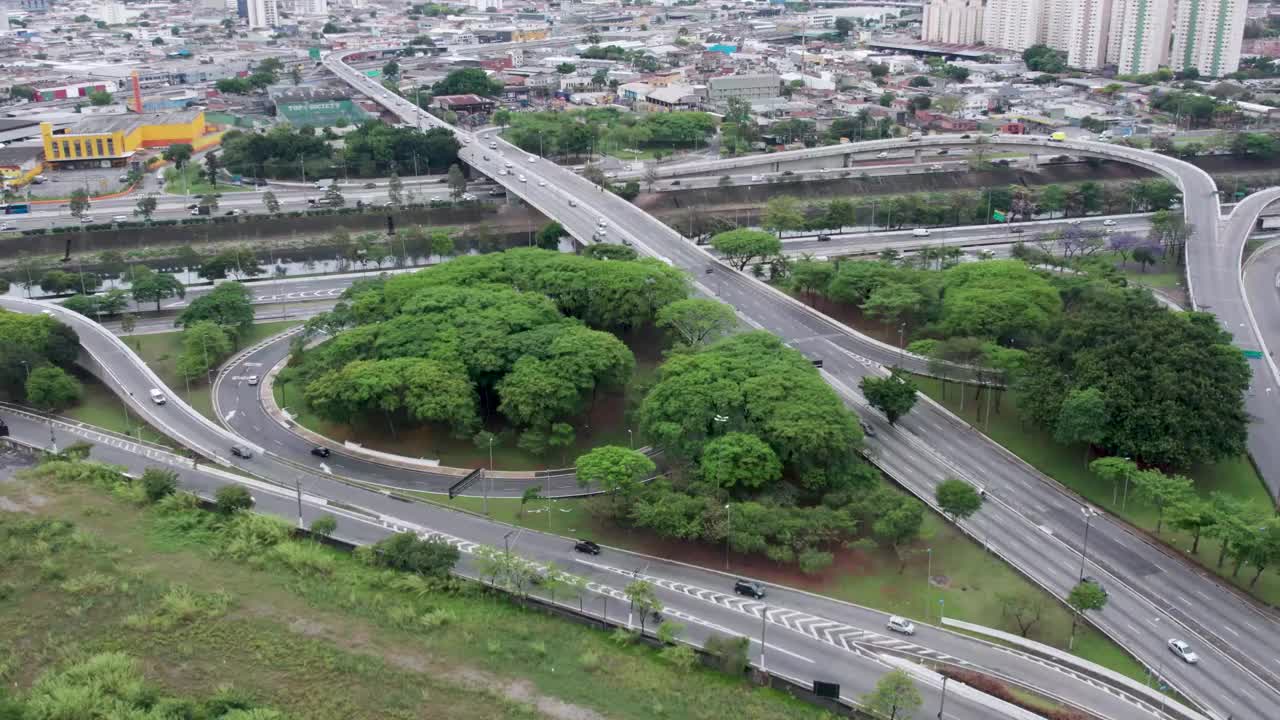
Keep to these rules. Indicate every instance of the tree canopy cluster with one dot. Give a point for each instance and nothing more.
(524, 333)
(28, 345)
(373, 149)
(609, 129)
(1042, 58)
(468, 81)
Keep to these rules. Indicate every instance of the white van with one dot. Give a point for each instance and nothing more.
(920, 232)
(158, 397)
(119, 218)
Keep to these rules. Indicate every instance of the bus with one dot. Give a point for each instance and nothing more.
(16, 208)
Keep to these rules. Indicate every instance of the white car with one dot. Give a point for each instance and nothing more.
(5, 227)
(533, 158)
(1108, 222)
(522, 179)
(901, 625)
(920, 232)
(1184, 651)
(508, 164)
(86, 219)
(602, 222)
(1077, 221)
(542, 183)
(883, 155)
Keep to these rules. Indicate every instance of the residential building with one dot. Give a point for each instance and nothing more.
(1207, 36)
(956, 22)
(263, 14)
(1056, 24)
(749, 87)
(1140, 32)
(311, 7)
(1089, 38)
(1012, 24)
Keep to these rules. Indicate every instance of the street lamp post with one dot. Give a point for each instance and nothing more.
(942, 704)
(1084, 551)
(928, 582)
(486, 476)
(631, 439)
(901, 347)
(728, 526)
(764, 622)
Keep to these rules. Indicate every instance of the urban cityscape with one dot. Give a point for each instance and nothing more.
(880, 359)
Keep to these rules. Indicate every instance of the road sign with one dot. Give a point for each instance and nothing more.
(1253, 354)
(998, 215)
(314, 53)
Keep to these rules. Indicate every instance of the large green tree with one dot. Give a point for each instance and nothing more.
(148, 285)
(895, 695)
(52, 388)
(740, 247)
(227, 304)
(697, 321)
(894, 396)
(613, 469)
(738, 460)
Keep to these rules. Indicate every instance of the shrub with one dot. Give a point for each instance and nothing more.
(305, 558)
(324, 526)
(159, 483)
(590, 661)
(407, 552)
(249, 535)
(231, 498)
(682, 656)
(730, 653)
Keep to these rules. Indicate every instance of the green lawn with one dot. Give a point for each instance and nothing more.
(161, 351)
(1066, 464)
(192, 180)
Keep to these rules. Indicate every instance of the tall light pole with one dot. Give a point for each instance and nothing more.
(928, 582)
(631, 439)
(728, 526)
(943, 703)
(764, 622)
(1088, 513)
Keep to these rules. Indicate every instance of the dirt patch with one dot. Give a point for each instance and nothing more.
(28, 504)
(521, 691)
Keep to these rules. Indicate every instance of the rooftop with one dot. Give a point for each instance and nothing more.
(125, 123)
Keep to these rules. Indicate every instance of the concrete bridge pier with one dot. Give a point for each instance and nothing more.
(915, 156)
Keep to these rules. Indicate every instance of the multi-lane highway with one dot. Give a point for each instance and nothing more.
(1030, 521)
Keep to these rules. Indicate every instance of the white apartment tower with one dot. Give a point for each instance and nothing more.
(1140, 31)
(1012, 24)
(1055, 23)
(1208, 36)
(953, 21)
(1089, 36)
(263, 14)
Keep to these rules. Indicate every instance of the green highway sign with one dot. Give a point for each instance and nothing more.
(1253, 354)
(998, 215)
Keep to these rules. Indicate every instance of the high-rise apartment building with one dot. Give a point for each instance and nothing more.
(1055, 27)
(1089, 35)
(263, 14)
(1012, 24)
(953, 21)
(1140, 32)
(1207, 36)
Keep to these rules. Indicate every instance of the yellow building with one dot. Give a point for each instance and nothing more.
(112, 140)
(530, 34)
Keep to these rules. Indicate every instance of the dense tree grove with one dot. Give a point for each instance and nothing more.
(372, 150)
(1096, 362)
(608, 130)
(30, 342)
(523, 333)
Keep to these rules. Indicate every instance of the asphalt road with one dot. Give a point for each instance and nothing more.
(806, 637)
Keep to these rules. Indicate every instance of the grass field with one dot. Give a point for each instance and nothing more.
(1066, 464)
(332, 641)
(192, 180)
(101, 407)
(966, 578)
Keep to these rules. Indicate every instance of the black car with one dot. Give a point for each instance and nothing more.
(964, 136)
(241, 451)
(750, 588)
(4, 429)
(1016, 230)
(824, 238)
(370, 186)
(586, 546)
(943, 151)
(320, 451)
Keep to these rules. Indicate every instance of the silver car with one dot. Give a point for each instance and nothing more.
(1184, 651)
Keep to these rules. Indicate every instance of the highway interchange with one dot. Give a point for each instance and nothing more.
(1028, 519)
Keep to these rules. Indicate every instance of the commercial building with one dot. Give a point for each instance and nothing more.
(956, 22)
(19, 164)
(263, 14)
(316, 106)
(749, 87)
(1207, 36)
(112, 140)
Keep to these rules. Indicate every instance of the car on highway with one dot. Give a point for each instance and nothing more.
(824, 238)
(533, 158)
(508, 164)
(867, 429)
(4, 227)
(493, 145)
(86, 219)
(901, 625)
(750, 588)
(586, 546)
(370, 186)
(157, 397)
(252, 380)
(542, 183)
(944, 151)
(1183, 651)
(1094, 581)
(920, 232)
(602, 222)
(484, 157)
(573, 203)
(119, 218)
(1016, 230)
(1108, 222)
(1077, 221)
(882, 154)
(320, 451)
(241, 451)
(523, 179)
